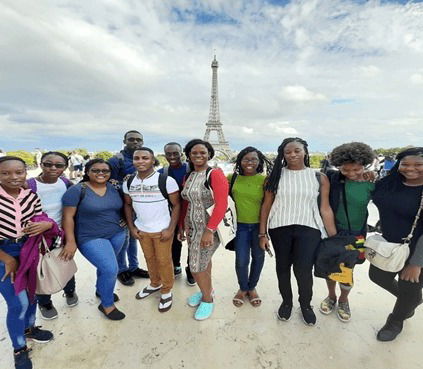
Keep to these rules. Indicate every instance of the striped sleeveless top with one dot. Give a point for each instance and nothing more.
(15, 213)
(296, 200)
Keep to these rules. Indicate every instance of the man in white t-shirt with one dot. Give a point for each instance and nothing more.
(150, 195)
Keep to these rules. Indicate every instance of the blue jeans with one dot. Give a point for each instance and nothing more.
(247, 241)
(130, 248)
(20, 313)
(102, 254)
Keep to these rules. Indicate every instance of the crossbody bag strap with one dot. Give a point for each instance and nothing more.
(416, 219)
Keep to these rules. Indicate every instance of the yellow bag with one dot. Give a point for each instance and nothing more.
(345, 276)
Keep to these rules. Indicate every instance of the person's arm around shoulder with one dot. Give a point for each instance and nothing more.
(325, 209)
(70, 202)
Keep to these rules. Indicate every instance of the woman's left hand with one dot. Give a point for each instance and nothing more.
(207, 239)
(411, 273)
(34, 229)
(68, 252)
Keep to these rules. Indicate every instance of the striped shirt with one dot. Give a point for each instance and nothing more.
(16, 212)
(296, 200)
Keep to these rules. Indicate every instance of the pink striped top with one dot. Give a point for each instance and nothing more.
(15, 213)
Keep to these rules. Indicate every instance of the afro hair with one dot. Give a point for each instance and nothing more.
(353, 152)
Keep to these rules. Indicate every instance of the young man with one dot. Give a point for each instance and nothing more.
(150, 196)
(122, 166)
(177, 169)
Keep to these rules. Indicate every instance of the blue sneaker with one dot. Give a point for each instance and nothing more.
(204, 311)
(195, 299)
(38, 335)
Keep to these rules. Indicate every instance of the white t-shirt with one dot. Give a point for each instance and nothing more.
(51, 199)
(150, 207)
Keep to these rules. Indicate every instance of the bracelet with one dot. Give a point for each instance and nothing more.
(263, 235)
(211, 230)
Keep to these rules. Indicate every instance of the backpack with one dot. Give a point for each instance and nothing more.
(32, 183)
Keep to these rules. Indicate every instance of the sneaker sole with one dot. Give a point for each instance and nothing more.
(191, 284)
(46, 318)
(283, 319)
(308, 324)
(74, 304)
(37, 341)
(201, 319)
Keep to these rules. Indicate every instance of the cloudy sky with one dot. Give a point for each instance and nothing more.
(80, 73)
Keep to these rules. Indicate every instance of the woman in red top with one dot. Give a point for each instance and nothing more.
(203, 188)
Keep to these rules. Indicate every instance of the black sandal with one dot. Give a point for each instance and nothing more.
(115, 314)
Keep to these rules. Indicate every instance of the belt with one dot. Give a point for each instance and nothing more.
(14, 240)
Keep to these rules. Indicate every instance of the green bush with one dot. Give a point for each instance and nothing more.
(105, 155)
(315, 160)
(28, 157)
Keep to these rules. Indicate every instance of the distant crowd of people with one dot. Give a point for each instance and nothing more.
(282, 205)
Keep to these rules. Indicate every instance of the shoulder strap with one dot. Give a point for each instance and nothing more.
(82, 193)
(32, 184)
(66, 181)
(208, 182)
(416, 219)
(130, 180)
(231, 185)
(162, 185)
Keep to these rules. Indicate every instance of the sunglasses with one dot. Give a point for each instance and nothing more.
(103, 171)
(134, 139)
(51, 165)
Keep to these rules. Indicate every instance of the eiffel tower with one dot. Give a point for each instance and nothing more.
(214, 124)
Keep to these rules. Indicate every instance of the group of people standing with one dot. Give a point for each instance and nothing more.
(285, 205)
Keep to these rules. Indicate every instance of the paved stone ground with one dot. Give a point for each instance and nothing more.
(243, 337)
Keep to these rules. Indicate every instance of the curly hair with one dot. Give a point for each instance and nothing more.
(197, 141)
(263, 161)
(353, 152)
(280, 162)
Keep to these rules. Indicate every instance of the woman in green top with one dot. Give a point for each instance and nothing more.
(350, 186)
(247, 184)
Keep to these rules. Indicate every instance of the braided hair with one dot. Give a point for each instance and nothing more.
(263, 161)
(392, 182)
(280, 162)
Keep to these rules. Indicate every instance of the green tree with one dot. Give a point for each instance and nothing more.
(26, 156)
(162, 160)
(315, 160)
(105, 155)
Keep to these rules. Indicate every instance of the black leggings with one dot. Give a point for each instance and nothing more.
(295, 245)
(408, 294)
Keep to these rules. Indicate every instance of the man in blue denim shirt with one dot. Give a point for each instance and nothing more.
(121, 167)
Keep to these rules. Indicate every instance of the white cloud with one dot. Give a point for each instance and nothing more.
(81, 73)
(301, 94)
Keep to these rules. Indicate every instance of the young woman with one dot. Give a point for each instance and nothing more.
(398, 198)
(247, 191)
(291, 212)
(349, 186)
(17, 207)
(92, 220)
(201, 190)
(50, 187)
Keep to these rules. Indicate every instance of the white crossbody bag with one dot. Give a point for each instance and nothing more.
(390, 256)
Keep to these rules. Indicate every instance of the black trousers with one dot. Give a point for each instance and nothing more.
(408, 294)
(296, 246)
(44, 300)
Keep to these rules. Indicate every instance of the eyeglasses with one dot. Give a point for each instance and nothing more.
(103, 171)
(249, 160)
(57, 165)
(134, 139)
